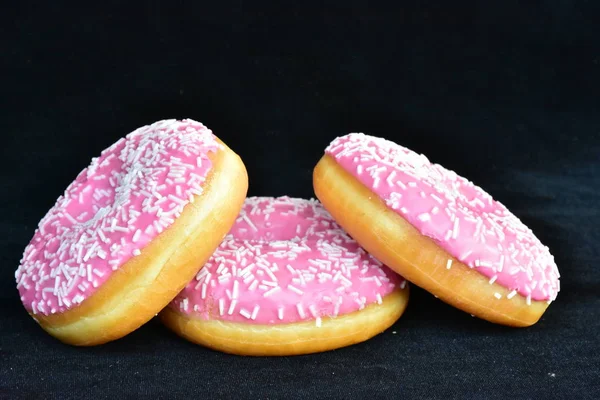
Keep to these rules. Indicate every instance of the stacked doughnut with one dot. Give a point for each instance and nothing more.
(159, 221)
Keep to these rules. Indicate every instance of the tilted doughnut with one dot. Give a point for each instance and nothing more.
(130, 232)
(437, 229)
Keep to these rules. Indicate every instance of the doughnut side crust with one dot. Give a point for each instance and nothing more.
(396, 243)
(147, 283)
(289, 339)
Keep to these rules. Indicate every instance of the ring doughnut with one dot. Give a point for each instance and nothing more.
(129, 233)
(437, 229)
(286, 280)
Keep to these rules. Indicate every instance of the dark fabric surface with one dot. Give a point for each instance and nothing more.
(505, 93)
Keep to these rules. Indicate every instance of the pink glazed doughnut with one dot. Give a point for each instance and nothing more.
(287, 280)
(437, 229)
(129, 233)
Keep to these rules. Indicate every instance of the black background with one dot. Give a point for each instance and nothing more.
(505, 93)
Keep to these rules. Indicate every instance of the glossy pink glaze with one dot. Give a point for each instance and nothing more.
(115, 207)
(285, 260)
(459, 216)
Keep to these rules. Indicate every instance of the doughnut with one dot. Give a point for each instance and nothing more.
(285, 281)
(437, 229)
(130, 232)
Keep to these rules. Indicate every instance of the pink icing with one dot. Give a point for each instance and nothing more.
(115, 207)
(285, 260)
(459, 216)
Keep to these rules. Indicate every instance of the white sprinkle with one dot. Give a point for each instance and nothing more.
(390, 178)
(207, 278)
(449, 263)
(318, 322)
(412, 184)
(345, 281)
(336, 308)
(436, 198)
(424, 217)
(248, 278)
(232, 307)
(270, 292)
(271, 274)
(501, 264)
(176, 200)
(102, 236)
(253, 285)
(493, 279)
(511, 294)
(280, 313)
(249, 222)
(90, 251)
(464, 256)
(118, 228)
(379, 299)
(136, 236)
(300, 310)
(221, 306)
(70, 218)
(236, 289)
(455, 229)
(220, 268)
(245, 313)
(528, 299)
(185, 304)
(435, 210)
(136, 252)
(497, 295)
(359, 169)
(204, 286)
(447, 235)
(295, 289)
(255, 312)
